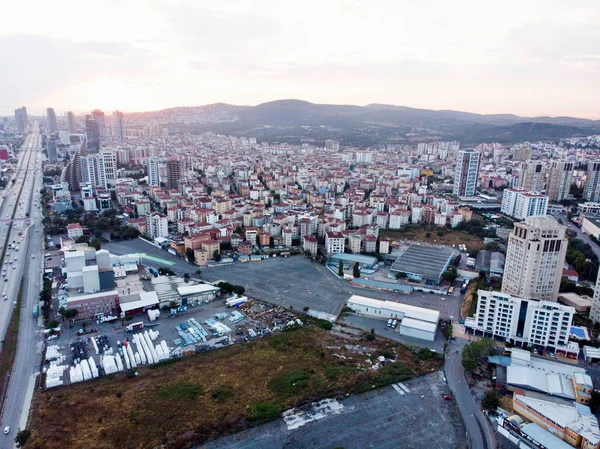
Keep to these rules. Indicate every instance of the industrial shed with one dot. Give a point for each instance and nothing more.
(416, 322)
(418, 329)
(424, 263)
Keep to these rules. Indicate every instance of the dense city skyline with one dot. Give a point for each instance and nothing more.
(539, 58)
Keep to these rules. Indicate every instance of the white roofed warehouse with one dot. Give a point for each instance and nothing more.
(414, 321)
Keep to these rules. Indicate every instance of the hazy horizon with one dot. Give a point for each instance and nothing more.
(539, 58)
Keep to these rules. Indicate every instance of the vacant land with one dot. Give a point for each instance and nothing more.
(201, 397)
(432, 235)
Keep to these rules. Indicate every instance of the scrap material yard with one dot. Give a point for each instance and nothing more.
(113, 346)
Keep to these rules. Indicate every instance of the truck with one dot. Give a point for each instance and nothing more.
(134, 326)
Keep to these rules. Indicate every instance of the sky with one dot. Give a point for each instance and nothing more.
(527, 57)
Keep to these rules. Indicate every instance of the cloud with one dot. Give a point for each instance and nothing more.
(38, 65)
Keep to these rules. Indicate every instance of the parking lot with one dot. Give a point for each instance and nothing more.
(391, 417)
(291, 282)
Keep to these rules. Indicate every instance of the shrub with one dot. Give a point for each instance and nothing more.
(289, 383)
(323, 324)
(222, 393)
(263, 411)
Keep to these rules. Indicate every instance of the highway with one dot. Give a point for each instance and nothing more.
(478, 428)
(19, 199)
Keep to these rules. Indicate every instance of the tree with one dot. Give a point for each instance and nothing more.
(165, 271)
(96, 243)
(448, 331)
(216, 255)
(341, 269)
(490, 401)
(401, 275)
(83, 239)
(492, 246)
(477, 352)
(450, 275)
(186, 277)
(482, 275)
(22, 437)
(356, 270)
(427, 235)
(189, 253)
(53, 324)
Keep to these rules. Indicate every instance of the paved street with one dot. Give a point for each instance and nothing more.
(478, 429)
(417, 418)
(580, 235)
(29, 268)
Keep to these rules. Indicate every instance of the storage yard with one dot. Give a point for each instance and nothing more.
(111, 347)
(218, 392)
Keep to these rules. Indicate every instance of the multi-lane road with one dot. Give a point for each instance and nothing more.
(21, 226)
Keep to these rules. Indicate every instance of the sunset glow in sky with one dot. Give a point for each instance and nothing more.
(524, 57)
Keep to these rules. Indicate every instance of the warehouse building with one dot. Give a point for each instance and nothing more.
(348, 260)
(424, 263)
(174, 289)
(415, 322)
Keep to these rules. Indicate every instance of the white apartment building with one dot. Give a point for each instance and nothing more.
(595, 309)
(335, 242)
(560, 176)
(534, 259)
(440, 219)
(153, 172)
(107, 168)
(532, 176)
(157, 225)
(355, 243)
(520, 204)
(398, 218)
(416, 213)
(591, 192)
(521, 321)
(466, 173)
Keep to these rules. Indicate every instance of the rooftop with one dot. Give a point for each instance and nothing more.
(426, 261)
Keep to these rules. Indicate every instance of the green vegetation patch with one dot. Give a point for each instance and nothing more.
(263, 411)
(221, 393)
(289, 383)
(180, 392)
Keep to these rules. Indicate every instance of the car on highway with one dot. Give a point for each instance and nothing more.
(447, 397)
(6, 430)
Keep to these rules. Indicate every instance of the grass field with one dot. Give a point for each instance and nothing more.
(9, 346)
(450, 237)
(198, 398)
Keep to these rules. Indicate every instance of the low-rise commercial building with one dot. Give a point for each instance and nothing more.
(573, 423)
(88, 306)
(415, 322)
